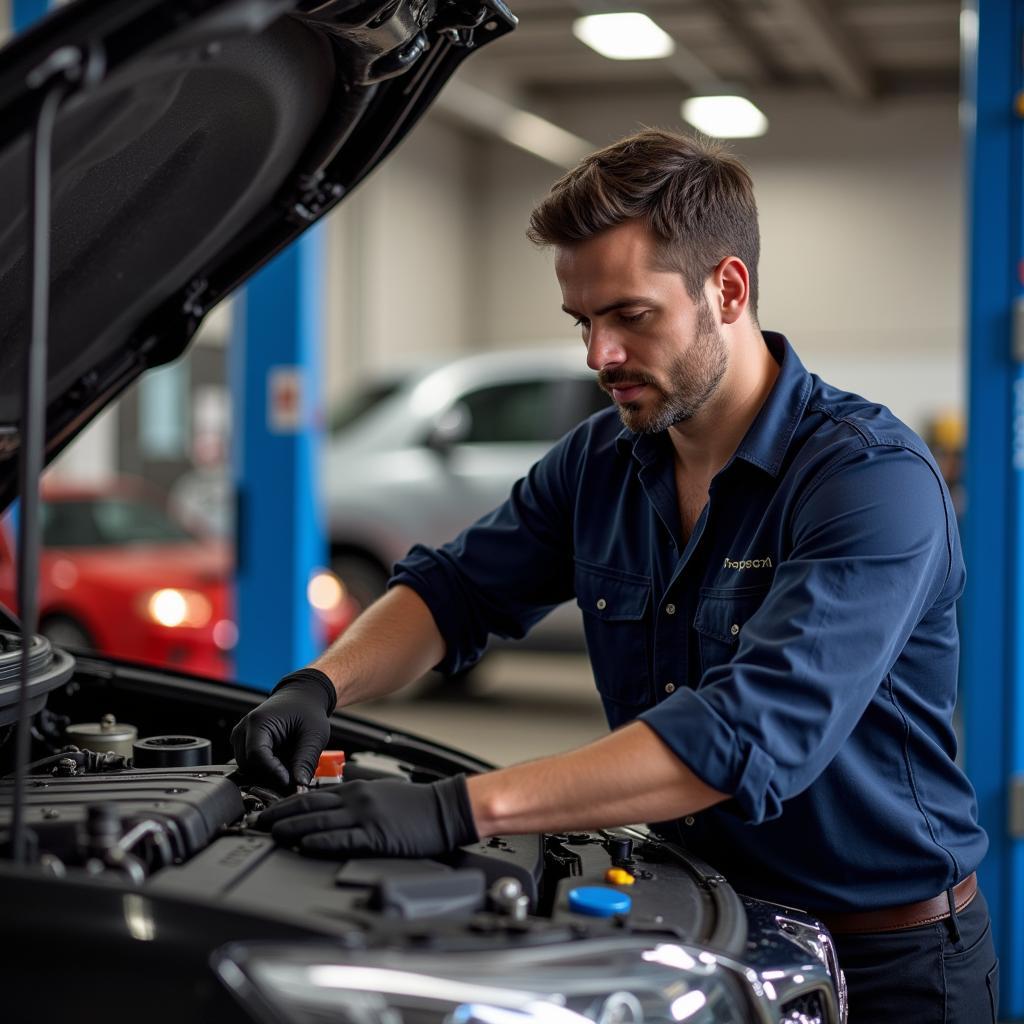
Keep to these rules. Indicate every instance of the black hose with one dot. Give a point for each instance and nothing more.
(87, 762)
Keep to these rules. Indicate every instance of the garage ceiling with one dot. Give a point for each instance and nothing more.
(858, 49)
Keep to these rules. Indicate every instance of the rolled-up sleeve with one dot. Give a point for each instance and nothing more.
(506, 571)
(870, 556)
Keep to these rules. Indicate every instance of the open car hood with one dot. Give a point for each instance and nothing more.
(195, 142)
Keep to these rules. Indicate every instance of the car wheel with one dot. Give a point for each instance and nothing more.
(364, 578)
(63, 631)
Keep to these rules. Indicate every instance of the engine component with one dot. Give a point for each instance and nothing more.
(451, 894)
(620, 849)
(619, 876)
(330, 768)
(102, 829)
(72, 761)
(596, 901)
(48, 668)
(106, 734)
(172, 752)
(508, 898)
(193, 803)
(368, 765)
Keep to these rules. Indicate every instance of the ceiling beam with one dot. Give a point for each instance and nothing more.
(733, 17)
(494, 115)
(830, 46)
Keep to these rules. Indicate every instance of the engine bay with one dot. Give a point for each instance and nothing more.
(187, 831)
(168, 813)
(142, 828)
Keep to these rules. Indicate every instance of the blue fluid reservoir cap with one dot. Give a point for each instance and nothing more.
(596, 901)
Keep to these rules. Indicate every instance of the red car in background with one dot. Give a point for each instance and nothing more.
(121, 576)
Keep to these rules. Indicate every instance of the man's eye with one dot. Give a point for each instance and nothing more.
(634, 318)
(580, 321)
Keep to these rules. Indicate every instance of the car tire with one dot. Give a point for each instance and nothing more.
(64, 631)
(364, 579)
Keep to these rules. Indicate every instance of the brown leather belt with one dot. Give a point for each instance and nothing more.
(910, 915)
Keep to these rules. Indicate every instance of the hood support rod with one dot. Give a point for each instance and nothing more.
(56, 78)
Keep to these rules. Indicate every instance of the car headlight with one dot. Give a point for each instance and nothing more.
(173, 607)
(599, 982)
(325, 591)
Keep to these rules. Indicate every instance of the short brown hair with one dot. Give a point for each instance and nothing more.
(693, 194)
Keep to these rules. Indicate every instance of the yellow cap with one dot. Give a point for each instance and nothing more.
(618, 876)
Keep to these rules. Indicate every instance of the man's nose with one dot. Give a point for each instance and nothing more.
(604, 349)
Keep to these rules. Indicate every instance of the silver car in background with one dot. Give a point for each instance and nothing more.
(417, 457)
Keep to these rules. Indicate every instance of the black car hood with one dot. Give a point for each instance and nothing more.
(198, 140)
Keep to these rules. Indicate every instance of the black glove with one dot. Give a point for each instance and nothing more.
(281, 741)
(387, 818)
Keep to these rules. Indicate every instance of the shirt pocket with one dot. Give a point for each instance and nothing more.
(721, 614)
(614, 605)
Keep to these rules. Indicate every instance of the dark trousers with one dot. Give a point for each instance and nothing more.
(942, 973)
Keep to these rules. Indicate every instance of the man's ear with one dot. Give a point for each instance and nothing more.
(730, 288)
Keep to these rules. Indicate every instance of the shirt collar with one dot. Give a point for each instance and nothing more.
(768, 437)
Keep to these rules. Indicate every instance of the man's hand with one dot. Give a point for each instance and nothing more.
(388, 818)
(280, 742)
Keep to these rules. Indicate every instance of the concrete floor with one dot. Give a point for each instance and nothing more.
(520, 706)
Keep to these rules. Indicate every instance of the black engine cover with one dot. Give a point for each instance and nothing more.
(194, 803)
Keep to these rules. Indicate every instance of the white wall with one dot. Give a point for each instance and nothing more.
(402, 260)
(519, 299)
(866, 277)
(92, 456)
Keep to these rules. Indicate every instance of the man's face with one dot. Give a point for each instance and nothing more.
(657, 352)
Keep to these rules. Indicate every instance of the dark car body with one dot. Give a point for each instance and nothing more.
(193, 141)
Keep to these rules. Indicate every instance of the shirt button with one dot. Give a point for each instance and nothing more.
(688, 820)
(734, 629)
(670, 609)
(602, 603)
(670, 687)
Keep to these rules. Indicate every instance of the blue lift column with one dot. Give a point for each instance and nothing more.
(992, 676)
(25, 12)
(275, 370)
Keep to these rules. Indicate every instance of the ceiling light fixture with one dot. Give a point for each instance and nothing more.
(725, 117)
(626, 36)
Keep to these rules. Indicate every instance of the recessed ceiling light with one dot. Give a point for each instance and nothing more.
(725, 117)
(626, 36)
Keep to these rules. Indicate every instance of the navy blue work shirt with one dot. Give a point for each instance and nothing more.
(798, 652)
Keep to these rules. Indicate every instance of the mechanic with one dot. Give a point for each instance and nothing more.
(768, 568)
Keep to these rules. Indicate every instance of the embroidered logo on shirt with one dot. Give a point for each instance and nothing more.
(748, 563)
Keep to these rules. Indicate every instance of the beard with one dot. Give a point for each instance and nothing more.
(691, 379)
